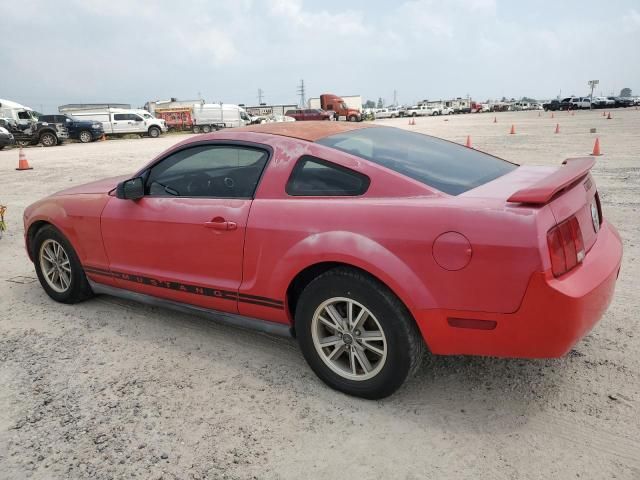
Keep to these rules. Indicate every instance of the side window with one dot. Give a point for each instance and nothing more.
(318, 178)
(208, 171)
(134, 117)
(120, 116)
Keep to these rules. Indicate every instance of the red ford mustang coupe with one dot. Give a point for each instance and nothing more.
(369, 244)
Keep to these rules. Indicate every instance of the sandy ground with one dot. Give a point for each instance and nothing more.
(113, 389)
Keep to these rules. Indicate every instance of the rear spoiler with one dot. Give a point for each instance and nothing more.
(544, 189)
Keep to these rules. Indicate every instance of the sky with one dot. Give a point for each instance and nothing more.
(126, 51)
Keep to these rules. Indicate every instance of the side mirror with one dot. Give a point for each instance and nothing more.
(131, 189)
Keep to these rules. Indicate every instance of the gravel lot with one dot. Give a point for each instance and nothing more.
(114, 389)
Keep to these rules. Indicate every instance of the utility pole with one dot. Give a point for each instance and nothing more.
(395, 98)
(302, 94)
(592, 84)
(260, 95)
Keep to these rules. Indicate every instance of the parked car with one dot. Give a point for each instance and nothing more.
(367, 243)
(581, 103)
(32, 133)
(122, 121)
(6, 138)
(390, 112)
(419, 111)
(621, 102)
(309, 114)
(84, 130)
(552, 105)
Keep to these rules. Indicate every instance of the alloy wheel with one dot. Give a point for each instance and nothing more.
(55, 265)
(349, 339)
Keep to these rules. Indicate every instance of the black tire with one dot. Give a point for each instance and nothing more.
(196, 129)
(413, 114)
(78, 289)
(353, 118)
(85, 136)
(154, 132)
(206, 129)
(2, 146)
(48, 139)
(404, 343)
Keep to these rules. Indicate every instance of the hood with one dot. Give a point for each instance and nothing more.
(100, 186)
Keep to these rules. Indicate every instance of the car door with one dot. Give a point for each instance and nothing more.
(183, 240)
(120, 123)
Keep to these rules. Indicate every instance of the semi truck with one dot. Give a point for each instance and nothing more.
(343, 109)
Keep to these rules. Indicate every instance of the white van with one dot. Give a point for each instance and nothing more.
(212, 116)
(121, 121)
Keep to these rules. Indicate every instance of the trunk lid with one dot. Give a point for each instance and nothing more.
(568, 190)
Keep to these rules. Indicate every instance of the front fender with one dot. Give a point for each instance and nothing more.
(361, 252)
(78, 219)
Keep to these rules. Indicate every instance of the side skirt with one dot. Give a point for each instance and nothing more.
(221, 317)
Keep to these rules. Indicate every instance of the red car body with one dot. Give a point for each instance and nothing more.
(474, 270)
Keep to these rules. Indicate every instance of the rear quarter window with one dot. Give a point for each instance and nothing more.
(437, 163)
(314, 177)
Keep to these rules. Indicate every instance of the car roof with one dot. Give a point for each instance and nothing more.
(310, 131)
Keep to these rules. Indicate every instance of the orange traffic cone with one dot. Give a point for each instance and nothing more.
(552, 115)
(596, 148)
(604, 114)
(23, 163)
(495, 120)
(609, 116)
(468, 144)
(557, 128)
(103, 138)
(513, 129)
(539, 114)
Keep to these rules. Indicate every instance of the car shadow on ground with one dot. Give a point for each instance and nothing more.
(463, 392)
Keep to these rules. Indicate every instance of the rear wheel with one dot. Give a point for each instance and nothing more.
(48, 139)
(206, 129)
(356, 335)
(58, 267)
(85, 136)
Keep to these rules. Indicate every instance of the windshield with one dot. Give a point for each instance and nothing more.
(446, 166)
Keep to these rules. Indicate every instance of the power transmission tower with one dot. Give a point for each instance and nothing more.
(301, 93)
(260, 95)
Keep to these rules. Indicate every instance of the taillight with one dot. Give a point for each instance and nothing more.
(566, 246)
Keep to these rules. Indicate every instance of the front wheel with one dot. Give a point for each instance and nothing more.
(58, 267)
(356, 335)
(48, 139)
(85, 136)
(154, 132)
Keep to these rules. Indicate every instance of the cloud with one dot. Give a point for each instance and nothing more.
(133, 52)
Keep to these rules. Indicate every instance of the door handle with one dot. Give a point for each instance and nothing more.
(220, 223)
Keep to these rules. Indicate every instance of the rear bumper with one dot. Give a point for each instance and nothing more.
(554, 315)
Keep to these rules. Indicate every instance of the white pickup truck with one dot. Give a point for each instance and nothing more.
(581, 102)
(419, 111)
(120, 121)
